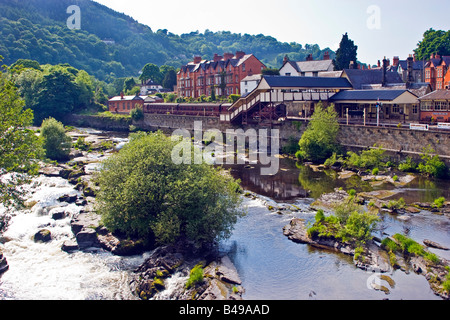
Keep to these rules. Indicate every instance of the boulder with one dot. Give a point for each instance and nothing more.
(3, 264)
(69, 246)
(87, 238)
(435, 245)
(227, 272)
(58, 213)
(43, 235)
(68, 198)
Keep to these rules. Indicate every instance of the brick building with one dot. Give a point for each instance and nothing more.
(436, 70)
(223, 74)
(124, 104)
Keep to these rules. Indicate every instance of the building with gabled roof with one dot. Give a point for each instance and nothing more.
(223, 74)
(308, 68)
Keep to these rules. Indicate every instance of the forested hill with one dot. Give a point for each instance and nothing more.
(110, 44)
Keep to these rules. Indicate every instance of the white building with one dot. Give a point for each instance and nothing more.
(150, 87)
(249, 83)
(308, 68)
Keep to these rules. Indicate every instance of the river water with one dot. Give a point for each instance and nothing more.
(270, 266)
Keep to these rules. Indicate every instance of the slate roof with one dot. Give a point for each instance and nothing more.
(307, 82)
(372, 95)
(312, 66)
(437, 95)
(359, 77)
(126, 98)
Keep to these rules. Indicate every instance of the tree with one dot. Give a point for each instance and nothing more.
(434, 41)
(55, 141)
(58, 94)
(151, 71)
(318, 142)
(20, 148)
(144, 194)
(346, 53)
(170, 80)
(270, 72)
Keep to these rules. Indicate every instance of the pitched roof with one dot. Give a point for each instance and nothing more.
(359, 77)
(437, 95)
(311, 66)
(368, 95)
(126, 98)
(306, 82)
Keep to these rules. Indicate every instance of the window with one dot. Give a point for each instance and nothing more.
(426, 106)
(288, 74)
(243, 67)
(415, 109)
(427, 74)
(395, 108)
(441, 106)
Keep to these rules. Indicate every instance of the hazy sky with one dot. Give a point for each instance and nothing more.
(378, 27)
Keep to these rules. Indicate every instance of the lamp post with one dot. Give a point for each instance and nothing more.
(378, 112)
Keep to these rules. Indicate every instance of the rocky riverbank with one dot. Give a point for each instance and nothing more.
(375, 256)
(153, 277)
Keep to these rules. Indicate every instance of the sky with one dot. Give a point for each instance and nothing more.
(380, 28)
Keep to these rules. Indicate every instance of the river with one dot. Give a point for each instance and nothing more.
(271, 266)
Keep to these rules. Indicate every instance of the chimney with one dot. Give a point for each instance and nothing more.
(240, 54)
(396, 61)
(217, 57)
(409, 72)
(379, 64)
(121, 95)
(309, 57)
(438, 56)
(432, 56)
(197, 59)
(414, 57)
(286, 59)
(228, 56)
(383, 72)
(352, 65)
(326, 56)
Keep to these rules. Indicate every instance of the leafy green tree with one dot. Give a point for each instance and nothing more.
(270, 72)
(55, 141)
(318, 142)
(129, 84)
(85, 89)
(346, 53)
(58, 95)
(144, 194)
(434, 41)
(151, 71)
(170, 80)
(19, 147)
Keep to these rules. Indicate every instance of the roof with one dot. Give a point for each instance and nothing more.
(306, 82)
(255, 77)
(311, 66)
(359, 77)
(437, 95)
(368, 95)
(126, 98)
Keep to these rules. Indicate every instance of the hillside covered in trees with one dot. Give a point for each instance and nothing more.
(110, 44)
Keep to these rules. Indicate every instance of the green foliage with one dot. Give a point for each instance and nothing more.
(432, 164)
(144, 194)
(396, 204)
(367, 159)
(439, 202)
(291, 147)
(195, 276)
(55, 141)
(349, 224)
(375, 171)
(81, 144)
(270, 72)
(346, 53)
(434, 41)
(36, 29)
(408, 165)
(407, 245)
(233, 98)
(137, 113)
(20, 147)
(318, 142)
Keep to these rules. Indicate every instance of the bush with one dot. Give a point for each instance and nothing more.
(407, 245)
(367, 159)
(55, 141)
(318, 142)
(375, 171)
(439, 202)
(408, 165)
(144, 194)
(432, 165)
(195, 276)
(137, 114)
